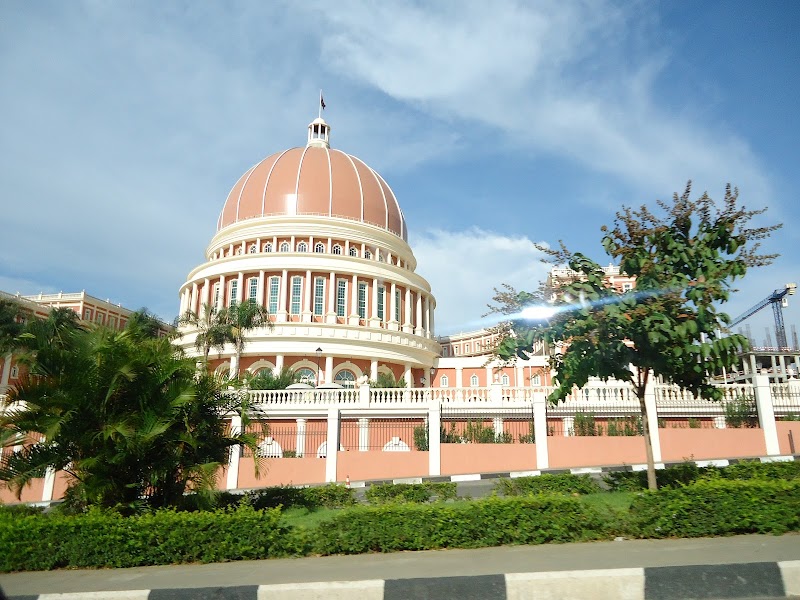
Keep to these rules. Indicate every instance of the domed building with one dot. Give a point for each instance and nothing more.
(318, 238)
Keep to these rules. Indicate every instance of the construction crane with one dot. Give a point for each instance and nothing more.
(778, 300)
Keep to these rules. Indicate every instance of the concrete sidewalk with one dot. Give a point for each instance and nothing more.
(436, 566)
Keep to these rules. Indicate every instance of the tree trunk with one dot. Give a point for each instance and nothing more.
(652, 484)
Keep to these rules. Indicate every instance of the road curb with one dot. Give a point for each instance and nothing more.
(737, 580)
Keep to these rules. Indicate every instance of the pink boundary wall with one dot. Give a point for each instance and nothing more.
(460, 459)
(377, 464)
(280, 471)
(566, 452)
(700, 444)
(784, 427)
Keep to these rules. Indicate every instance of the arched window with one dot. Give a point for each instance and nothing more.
(536, 380)
(268, 247)
(284, 246)
(337, 249)
(444, 381)
(381, 257)
(353, 252)
(253, 249)
(238, 251)
(306, 375)
(345, 378)
(504, 380)
(319, 248)
(367, 254)
(302, 247)
(473, 381)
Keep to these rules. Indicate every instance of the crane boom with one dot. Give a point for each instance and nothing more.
(778, 301)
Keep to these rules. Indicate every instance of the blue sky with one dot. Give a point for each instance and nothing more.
(497, 124)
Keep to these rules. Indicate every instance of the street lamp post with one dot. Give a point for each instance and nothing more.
(319, 355)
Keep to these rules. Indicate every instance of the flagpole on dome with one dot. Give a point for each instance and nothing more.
(321, 105)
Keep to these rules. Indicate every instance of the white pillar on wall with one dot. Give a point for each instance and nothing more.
(392, 307)
(418, 328)
(427, 316)
(766, 414)
(407, 326)
(331, 316)
(300, 442)
(261, 288)
(652, 421)
(434, 441)
(332, 444)
(232, 481)
(408, 376)
(540, 430)
(363, 435)
(374, 312)
(279, 362)
(328, 374)
(204, 297)
(373, 370)
(307, 298)
(240, 289)
(354, 302)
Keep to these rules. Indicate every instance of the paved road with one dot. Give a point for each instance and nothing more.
(442, 563)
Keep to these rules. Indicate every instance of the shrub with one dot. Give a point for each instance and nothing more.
(688, 473)
(717, 507)
(106, 539)
(694, 423)
(741, 412)
(386, 493)
(421, 438)
(584, 425)
(628, 426)
(564, 483)
(328, 496)
(490, 522)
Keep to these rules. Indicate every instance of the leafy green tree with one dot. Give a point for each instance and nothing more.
(270, 380)
(387, 380)
(684, 261)
(211, 331)
(10, 325)
(121, 412)
(237, 321)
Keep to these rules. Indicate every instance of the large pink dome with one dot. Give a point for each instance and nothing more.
(317, 181)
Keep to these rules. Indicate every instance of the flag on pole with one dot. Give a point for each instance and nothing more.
(322, 102)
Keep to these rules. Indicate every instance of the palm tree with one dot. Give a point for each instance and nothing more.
(211, 332)
(122, 413)
(10, 325)
(273, 380)
(238, 320)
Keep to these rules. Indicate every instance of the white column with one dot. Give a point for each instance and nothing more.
(418, 328)
(374, 311)
(766, 414)
(278, 362)
(373, 370)
(569, 426)
(49, 485)
(363, 435)
(540, 430)
(240, 289)
(6, 372)
(331, 316)
(332, 445)
(432, 319)
(300, 442)
(427, 316)
(407, 327)
(393, 324)
(459, 377)
(328, 374)
(204, 297)
(354, 302)
(434, 441)
(652, 421)
(233, 459)
(221, 291)
(193, 302)
(307, 298)
(407, 375)
(261, 288)
(282, 296)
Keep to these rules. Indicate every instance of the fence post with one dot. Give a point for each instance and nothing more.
(434, 440)
(363, 395)
(332, 445)
(766, 414)
(652, 420)
(540, 430)
(496, 394)
(49, 485)
(232, 481)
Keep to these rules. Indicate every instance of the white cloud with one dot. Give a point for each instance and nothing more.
(573, 79)
(463, 268)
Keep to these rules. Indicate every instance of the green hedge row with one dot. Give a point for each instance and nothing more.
(547, 483)
(474, 524)
(102, 539)
(717, 507)
(387, 493)
(326, 496)
(687, 473)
